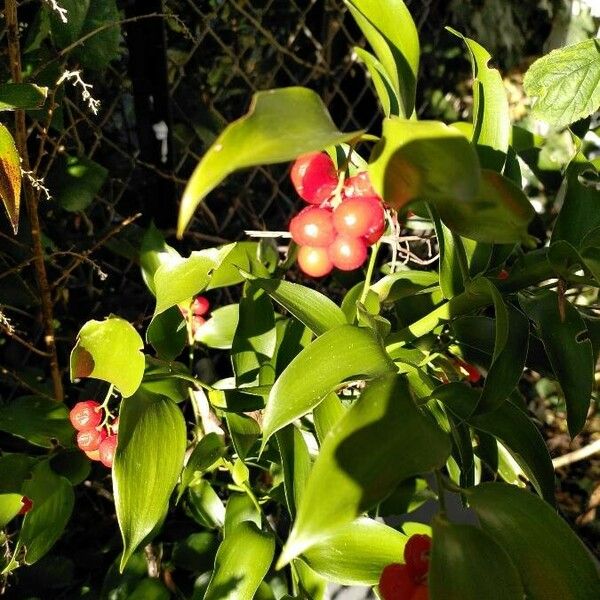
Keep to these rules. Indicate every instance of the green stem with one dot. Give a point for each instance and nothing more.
(199, 384)
(440, 490)
(370, 269)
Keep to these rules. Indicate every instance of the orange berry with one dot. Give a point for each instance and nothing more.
(395, 583)
(314, 261)
(90, 439)
(93, 454)
(359, 186)
(361, 216)
(313, 226)
(347, 253)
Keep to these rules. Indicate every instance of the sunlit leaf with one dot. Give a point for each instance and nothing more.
(10, 177)
(21, 95)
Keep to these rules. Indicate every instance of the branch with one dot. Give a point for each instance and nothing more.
(576, 455)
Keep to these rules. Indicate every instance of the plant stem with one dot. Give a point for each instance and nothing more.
(370, 269)
(440, 490)
(31, 201)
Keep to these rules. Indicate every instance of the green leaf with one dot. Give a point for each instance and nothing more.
(296, 464)
(426, 160)
(310, 307)
(244, 431)
(77, 180)
(14, 470)
(270, 132)
(384, 87)
(452, 255)
(339, 354)
(240, 508)
(53, 500)
(205, 505)
(391, 31)
(10, 177)
(219, 331)
(356, 553)
(150, 589)
(109, 350)
(551, 560)
(10, 505)
(40, 421)
(206, 453)
(353, 472)
(243, 257)
(167, 333)
(326, 415)
(567, 344)
(242, 561)
(179, 279)
(148, 461)
(21, 96)
(491, 118)
(564, 83)
(468, 564)
(154, 251)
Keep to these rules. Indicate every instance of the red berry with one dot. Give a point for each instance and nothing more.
(107, 450)
(314, 261)
(421, 593)
(395, 583)
(27, 505)
(347, 253)
(200, 306)
(90, 439)
(359, 186)
(374, 236)
(358, 217)
(313, 226)
(416, 556)
(314, 177)
(503, 274)
(473, 374)
(86, 415)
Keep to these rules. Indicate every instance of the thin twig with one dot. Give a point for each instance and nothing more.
(576, 455)
(12, 334)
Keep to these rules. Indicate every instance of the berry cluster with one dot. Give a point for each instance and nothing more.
(97, 439)
(196, 312)
(335, 230)
(408, 581)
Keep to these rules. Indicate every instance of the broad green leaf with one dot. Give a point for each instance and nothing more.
(40, 421)
(110, 350)
(384, 87)
(353, 472)
(14, 470)
(296, 464)
(206, 453)
(401, 284)
(468, 564)
(552, 561)
(341, 353)
(244, 431)
(242, 258)
(218, 331)
(242, 561)
(452, 254)
(564, 83)
(407, 497)
(491, 118)
(72, 464)
(270, 132)
(240, 508)
(10, 505)
(10, 177)
(567, 344)
(310, 307)
(310, 583)
(179, 279)
(356, 553)
(76, 181)
(391, 31)
(205, 505)
(148, 461)
(326, 415)
(53, 500)
(196, 553)
(21, 96)
(167, 333)
(427, 160)
(150, 589)
(154, 251)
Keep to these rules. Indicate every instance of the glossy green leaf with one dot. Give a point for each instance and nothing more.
(205, 454)
(452, 255)
(205, 505)
(310, 307)
(218, 331)
(401, 284)
(326, 415)
(407, 497)
(391, 31)
(552, 561)
(196, 553)
(240, 508)
(14, 470)
(21, 95)
(53, 498)
(244, 431)
(148, 461)
(10, 177)
(468, 564)
(353, 472)
(356, 553)
(341, 353)
(109, 350)
(269, 133)
(296, 464)
(491, 118)
(310, 583)
(243, 258)
(567, 344)
(10, 505)
(77, 181)
(179, 279)
(150, 589)
(154, 251)
(564, 83)
(237, 573)
(167, 333)
(40, 421)
(426, 160)
(384, 87)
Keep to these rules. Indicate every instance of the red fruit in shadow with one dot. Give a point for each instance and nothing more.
(359, 217)
(503, 275)
(86, 415)
(473, 374)
(27, 505)
(200, 306)
(395, 583)
(421, 593)
(107, 450)
(347, 253)
(314, 177)
(315, 262)
(416, 556)
(313, 226)
(90, 439)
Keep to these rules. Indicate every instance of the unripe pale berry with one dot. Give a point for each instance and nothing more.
(27, 505)
(313, 226)
(416, 555)
(197, 322)
(86, 415)
(359, 217)
(107, 450)
(314, 177)
(200, 306)
(93, 454)
(395, 583)
(347, 253)
(314, 261)
(90, 439)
